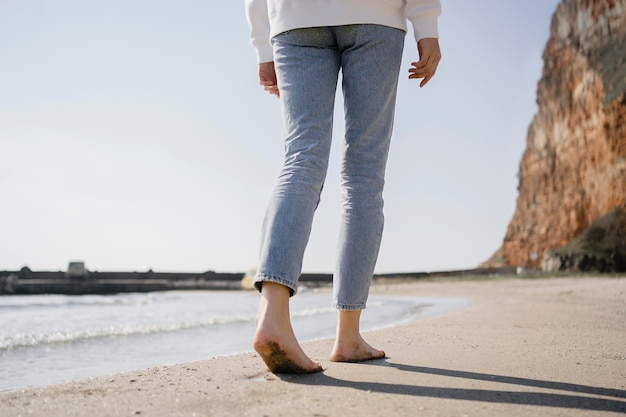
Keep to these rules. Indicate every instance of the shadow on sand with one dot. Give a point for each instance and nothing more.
(590, 401)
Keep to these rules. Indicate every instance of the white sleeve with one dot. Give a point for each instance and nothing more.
(259, 23)
(423, 16)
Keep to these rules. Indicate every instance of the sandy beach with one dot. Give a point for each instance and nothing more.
(544, 347)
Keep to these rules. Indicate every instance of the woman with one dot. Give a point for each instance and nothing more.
(301, 46)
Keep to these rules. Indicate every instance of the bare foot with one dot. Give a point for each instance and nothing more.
(274, 339)
(354, 351)
(285, 360)
(349, 345)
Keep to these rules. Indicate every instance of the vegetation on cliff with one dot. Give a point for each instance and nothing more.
(601, 247)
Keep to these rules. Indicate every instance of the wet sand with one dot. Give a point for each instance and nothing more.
(545, 347)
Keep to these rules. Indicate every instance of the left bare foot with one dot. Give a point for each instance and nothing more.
(281, 352)
(274, 339)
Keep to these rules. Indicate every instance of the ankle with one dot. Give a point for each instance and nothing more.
(348, 325)
(274, 304)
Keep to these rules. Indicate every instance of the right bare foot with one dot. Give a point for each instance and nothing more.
(356, 350)
(349, 345)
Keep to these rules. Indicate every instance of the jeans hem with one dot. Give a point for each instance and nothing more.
(349, 306)
(259, 279)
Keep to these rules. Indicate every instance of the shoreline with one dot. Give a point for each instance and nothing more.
(98, 350)
(547, 346)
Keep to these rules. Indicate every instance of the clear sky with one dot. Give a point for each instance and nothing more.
(134, 135)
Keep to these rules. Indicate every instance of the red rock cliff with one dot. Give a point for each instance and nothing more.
(574, 167)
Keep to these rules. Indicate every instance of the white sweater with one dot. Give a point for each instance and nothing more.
(268, 18)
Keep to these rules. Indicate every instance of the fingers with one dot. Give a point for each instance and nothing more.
(422, 70)
(425, 80)
(430, 55)
(272, 89)
(267, 78)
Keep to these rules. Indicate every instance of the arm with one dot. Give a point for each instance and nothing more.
(423, 15)
(259, 23)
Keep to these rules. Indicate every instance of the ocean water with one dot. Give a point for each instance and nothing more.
(47, 339)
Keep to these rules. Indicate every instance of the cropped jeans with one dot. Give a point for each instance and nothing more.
(307, 63)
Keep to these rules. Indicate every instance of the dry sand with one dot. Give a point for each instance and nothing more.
(524, 347)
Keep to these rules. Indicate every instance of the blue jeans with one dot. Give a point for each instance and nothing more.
(307, 63)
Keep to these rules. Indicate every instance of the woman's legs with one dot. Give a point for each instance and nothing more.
(371, 57)
(370, 66)
(307, 66)
(307, 63)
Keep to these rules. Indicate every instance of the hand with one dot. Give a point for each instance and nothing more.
(430, 55)
(267, 78)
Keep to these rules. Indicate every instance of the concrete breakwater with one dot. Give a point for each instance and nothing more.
(25, 281)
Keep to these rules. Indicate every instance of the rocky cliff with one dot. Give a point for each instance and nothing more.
(574, 168)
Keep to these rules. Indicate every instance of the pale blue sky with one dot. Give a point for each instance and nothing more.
(134, 135)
